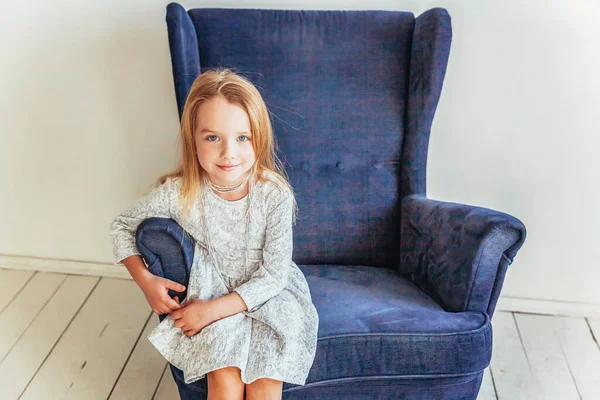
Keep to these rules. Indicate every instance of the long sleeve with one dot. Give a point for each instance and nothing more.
(123, 228)
(272, 275)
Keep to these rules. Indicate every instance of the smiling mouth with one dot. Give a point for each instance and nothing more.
(227, 167)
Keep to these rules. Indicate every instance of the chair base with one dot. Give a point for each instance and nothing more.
(397, 388)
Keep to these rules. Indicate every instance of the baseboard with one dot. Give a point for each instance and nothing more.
(64, 266)
(505, 303)
(548, 307)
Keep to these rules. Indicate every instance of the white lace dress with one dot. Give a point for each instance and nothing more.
(277, 337)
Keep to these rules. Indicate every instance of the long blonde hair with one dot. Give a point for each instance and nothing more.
(239, 91)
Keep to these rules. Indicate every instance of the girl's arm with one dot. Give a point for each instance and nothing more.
(272, 275)
(123, 228)
(227, 305)
(137, 269)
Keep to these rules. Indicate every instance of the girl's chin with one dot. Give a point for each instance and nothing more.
(227, 177)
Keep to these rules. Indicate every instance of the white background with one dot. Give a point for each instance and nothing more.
(88, 120)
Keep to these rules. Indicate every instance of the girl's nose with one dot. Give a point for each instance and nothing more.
(228, 151)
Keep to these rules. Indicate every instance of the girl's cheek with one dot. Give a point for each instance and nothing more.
(203, 151)
(249, 150)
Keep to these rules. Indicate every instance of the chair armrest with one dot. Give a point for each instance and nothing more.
(167, 249)
(457, 253)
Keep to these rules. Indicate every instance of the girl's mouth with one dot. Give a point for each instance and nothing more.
(227, 168)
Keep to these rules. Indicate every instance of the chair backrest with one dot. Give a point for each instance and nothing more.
(352, 96)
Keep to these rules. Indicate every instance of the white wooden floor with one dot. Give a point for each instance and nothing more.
(82, 337)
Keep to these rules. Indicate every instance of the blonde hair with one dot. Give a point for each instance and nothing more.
(237, 90)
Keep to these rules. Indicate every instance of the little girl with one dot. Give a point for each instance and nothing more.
(248, 321)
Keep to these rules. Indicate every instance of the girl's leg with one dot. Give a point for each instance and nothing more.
(225, 384)
(192, 391)
(264, 389)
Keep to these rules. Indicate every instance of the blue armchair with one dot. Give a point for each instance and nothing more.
(405, 286)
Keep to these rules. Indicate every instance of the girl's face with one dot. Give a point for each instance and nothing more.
(223, 138)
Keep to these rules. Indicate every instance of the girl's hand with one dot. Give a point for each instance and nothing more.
(156, 290)
(194, 316)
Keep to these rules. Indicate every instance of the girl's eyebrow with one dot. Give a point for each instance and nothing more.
(206, 130)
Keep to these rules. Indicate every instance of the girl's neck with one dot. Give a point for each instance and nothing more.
(233, 192)
(235, 195)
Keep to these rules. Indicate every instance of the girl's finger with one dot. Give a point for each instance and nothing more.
(172, 304)
(174, 285)
(178, 324)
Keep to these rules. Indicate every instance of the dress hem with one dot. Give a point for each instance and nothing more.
(197, 375)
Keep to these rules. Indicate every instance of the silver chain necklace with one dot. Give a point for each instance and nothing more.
(227, 188)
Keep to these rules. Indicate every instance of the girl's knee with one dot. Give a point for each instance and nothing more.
(264, 388)
(225, 383)
(230, 376)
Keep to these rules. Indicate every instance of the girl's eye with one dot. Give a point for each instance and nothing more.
(244, 137)
(211, 136)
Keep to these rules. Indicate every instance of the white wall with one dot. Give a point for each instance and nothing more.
(88, 120)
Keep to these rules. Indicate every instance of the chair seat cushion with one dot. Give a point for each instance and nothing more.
(375, 323)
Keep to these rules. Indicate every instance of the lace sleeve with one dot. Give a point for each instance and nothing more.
(124, 226)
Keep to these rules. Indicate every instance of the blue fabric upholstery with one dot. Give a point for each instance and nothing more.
(337, 85)
(405, 286)
(377, 329)
(458, 253)
(162, 243)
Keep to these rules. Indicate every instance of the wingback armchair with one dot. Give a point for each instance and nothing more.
(405, 286)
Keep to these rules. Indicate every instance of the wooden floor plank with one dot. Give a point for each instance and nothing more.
(513, 377)
(546, 358)
(21, 312)
(87, 360)
(30, 351)
(487, 391)
(11, 282)
(62, 337)
(144, 369)
(594, 324)
(167, 390)
(581, 352)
